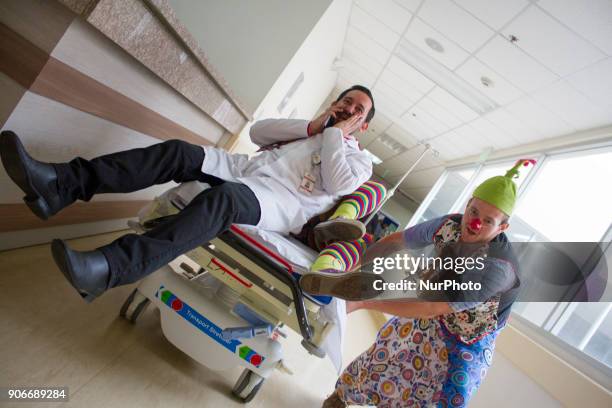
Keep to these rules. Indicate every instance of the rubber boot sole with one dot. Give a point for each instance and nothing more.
(348, 286)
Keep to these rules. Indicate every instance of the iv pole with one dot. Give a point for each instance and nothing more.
(391, 191)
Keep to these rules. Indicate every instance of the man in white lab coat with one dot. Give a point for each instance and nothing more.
(303, 169)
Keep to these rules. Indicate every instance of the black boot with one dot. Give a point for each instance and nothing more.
(87, 271)
(36, 179)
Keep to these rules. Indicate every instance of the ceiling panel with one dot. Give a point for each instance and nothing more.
(387, 11)
(497, 136)
(398, 165)
(357, 74)
(470, 142)
(494, 13)
(554, 45)
(374, 28)
(416, 128)
(563, 100)
(344, 81)
(518, 130)
(591, 19)
(402, 135)
(514, 65)
(381, 150)
(391, 109)
(424, 118)
(411, 5)
(383, 91)
(438, 112)
(358, 57)
(409, 75)
(452, 104)
(455, 23)
(400, 85)
(367, 137)
(452, 55)
(470, 136)
(501, 91)
(535, 116)
(376, 51)
(380, 121)
(595, 82)
(449, 147)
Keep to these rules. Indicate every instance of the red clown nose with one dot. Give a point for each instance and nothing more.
(475, 224)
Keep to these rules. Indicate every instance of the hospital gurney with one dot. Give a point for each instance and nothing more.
(233, 283)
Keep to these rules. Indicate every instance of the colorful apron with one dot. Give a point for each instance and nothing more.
(437, 362)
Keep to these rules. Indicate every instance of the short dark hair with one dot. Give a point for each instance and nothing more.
(366, 91)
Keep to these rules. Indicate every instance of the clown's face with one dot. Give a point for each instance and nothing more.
(482, 222)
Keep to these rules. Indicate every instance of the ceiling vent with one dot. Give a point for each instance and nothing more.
(392, 144)
(445, 78)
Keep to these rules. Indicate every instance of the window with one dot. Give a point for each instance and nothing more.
(444, 194)
(571, 199)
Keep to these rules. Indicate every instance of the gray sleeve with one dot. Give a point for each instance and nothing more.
(422, 234)
(459, 306)
(497, 276)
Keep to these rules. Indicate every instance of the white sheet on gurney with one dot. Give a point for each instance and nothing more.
(297, 254)
(301, 257)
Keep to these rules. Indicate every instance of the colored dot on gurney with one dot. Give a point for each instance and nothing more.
(177, 304)
(255, 359)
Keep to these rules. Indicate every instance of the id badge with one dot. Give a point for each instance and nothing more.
(316, 159)
(308, 182)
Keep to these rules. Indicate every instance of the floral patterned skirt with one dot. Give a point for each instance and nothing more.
(416, 363)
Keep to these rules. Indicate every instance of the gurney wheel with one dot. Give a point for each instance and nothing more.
(133, 306)
(247, 385)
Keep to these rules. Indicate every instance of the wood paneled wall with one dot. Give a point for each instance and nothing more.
(25, 58)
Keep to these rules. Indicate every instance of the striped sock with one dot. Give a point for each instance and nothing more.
(341, 256)
(362, 202)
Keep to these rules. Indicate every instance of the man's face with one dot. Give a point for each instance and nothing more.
(354, 102)
(481, 222)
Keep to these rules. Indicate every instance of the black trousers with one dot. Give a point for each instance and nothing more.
(211, 212)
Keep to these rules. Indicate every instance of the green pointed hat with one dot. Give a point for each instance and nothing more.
(500, 191)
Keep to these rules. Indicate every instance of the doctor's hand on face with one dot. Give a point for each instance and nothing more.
(318, 125)
(350, 125)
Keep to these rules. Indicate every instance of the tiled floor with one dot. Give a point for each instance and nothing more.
(50, 337)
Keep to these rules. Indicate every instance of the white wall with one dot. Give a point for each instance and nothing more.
(506, 386)
(250, 42)
(314, 58)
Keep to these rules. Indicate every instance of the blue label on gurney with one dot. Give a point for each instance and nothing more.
(207, 327)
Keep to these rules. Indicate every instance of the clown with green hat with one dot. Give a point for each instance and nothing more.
(432, 353)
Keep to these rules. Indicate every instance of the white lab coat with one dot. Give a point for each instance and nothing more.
(275, 175)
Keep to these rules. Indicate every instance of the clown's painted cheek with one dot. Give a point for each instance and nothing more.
(476, 224)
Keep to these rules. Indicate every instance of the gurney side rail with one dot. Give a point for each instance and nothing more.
(236, 239)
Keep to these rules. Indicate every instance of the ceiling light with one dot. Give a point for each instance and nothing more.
(375, 159)
(445, 78)
(487, 82)
(434, 45)
(392, 144)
